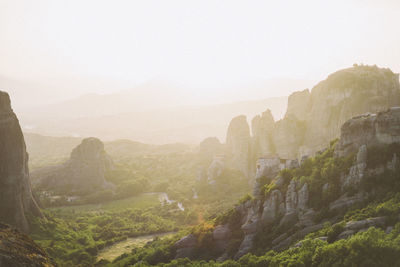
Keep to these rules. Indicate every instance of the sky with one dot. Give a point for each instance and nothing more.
(207, 47)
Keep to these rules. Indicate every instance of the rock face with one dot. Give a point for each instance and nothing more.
(345, 94)
(299, 105)
(186, 246)
(262, 130)
(288, 137)
(221, 234)
(357, 171)
(272, 207)
(371, 129)
(83, 172)
(15, 188)
(238, 144)
(18, 249)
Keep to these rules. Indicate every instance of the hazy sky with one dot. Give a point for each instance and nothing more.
(197, 44)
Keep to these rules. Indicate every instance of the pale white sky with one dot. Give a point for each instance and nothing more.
(208, 44)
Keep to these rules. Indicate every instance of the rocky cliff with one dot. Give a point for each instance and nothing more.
(83, 172)
(293, 199)
(345, 94)
(16, 199)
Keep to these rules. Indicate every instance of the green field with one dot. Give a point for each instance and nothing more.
(141, 201)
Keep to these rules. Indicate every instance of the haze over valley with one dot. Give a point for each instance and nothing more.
(199, 133)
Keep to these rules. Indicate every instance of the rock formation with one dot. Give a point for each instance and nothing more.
(288, 137)
(262, 130)
(186, 246)
(369, 129)
(285, 205)
(238, 144)
(314, 119)
(18, 249)
(345, 94)
(83, 172)
(15, 188)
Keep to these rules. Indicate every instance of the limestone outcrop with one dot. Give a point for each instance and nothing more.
(83, 172)
(238, 144)
(16, 198)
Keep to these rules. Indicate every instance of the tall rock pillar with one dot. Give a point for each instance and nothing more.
(16, 198)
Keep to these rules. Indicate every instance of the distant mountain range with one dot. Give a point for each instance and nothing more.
(187, 124)
(156, 112)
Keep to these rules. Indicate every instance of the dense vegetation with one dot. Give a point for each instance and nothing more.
(173, 173)
(73, 237)
(371, 248)
(75, 231)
